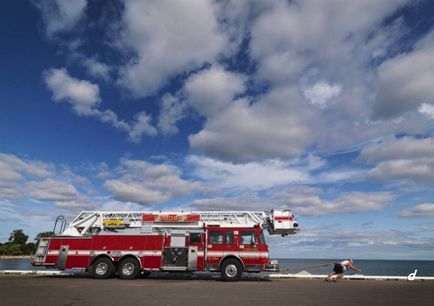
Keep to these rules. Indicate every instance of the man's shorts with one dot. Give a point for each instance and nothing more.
(338, 269)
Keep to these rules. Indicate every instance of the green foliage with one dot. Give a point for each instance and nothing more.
(15, 249)
(29, 248)
(18, 237)
(17, 244)
(10, 248)
(44, 234)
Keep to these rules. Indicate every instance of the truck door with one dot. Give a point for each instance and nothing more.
(249, 251)
(215, 248)
(195, 251)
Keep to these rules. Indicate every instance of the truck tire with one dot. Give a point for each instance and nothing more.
(102, 268)
(231, 270)
(128, 268)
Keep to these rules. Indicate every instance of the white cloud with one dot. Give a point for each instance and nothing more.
(404, 169)
(427, 109)
(291, 34)
(303, 201)
(148, 184)
(22, 180)
(234, 203)
(172, 110)
(81, 94)
(235, 18)
(399, 148)
(253, 175)
(271, 173)
(320, 93)
(405, 81)
(117, 205)
(403, 158)
(51, 190)
(168, 37)
(60, 15)
(97, 68)
(326, 242)
(161, 40)
(287, 42)
(135, 192)
(13, 167)
(267, 129)
(84, 98)
(308, 201)
(14, 171)
(75, 205)
(210, 90)
(428, 228)
(142, 125)
(422, 210)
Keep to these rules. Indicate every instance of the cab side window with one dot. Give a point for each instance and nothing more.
(229, 237)
(248, 237)
(195, 238)
(215, 237)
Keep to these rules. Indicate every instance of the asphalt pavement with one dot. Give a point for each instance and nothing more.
(64, 290)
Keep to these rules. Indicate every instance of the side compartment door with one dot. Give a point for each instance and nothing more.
(195, 251)
(63, 255)
(176, 255)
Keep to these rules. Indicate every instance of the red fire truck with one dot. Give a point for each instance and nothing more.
(106, 243)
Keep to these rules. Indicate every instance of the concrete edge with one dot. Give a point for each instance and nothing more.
(35, 272)
(350, 277)
(265, 275)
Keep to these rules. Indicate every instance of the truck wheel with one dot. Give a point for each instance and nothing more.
(231, 270)
(102, 268)
(129, 268)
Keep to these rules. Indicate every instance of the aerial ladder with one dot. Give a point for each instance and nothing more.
(277, 222)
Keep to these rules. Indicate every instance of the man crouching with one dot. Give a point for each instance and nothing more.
(339, 268)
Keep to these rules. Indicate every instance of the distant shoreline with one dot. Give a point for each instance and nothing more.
(15, 257)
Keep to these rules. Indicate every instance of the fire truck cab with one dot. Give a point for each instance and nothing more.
(130, 243)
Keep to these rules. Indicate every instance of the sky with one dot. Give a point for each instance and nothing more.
(322, 107)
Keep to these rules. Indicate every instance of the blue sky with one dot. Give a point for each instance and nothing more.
(322, 107)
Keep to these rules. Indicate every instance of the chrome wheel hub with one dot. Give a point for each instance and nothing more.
(128, 269)
(231, 270)
(101, 268)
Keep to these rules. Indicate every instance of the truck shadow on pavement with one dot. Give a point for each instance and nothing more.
(171, 276)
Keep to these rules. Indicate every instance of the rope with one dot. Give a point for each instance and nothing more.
(308, 267)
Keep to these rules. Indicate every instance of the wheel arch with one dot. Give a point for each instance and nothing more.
(232, 256)
(98, 257)
(132, 256)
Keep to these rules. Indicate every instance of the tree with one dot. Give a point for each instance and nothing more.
(44, 234)
(14, 249)
(3, 248)
(29, 248)
(18, 237)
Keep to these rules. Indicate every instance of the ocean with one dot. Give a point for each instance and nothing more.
(369, 267)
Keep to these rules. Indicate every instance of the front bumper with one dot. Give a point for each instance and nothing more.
(272, 266)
